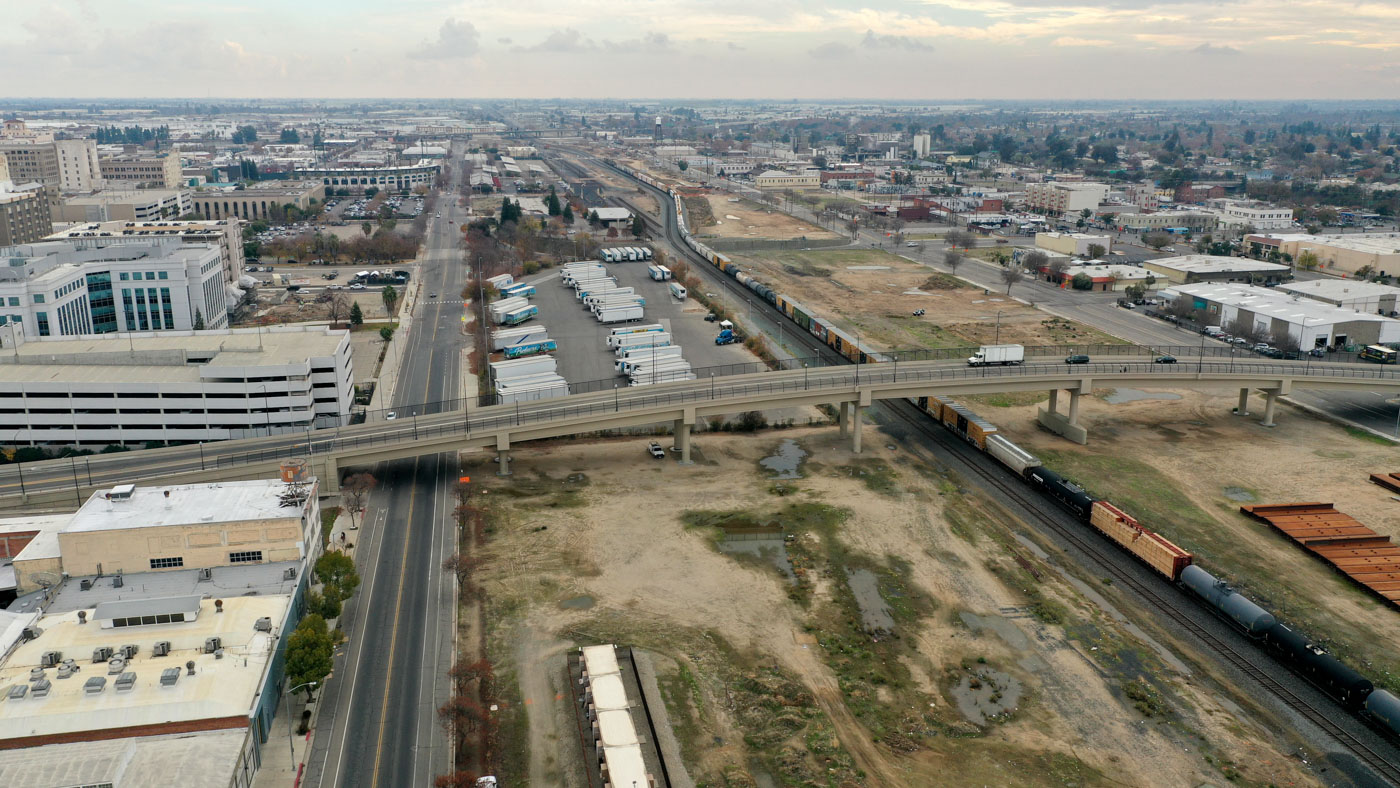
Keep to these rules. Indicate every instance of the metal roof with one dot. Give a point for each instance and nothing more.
(130, 608)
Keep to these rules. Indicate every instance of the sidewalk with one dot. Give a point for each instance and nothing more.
(282, 765)
(383, 398)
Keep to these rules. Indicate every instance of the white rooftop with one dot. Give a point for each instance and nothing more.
(600, 660)
(610, 214)
(1339, 289)
(188, 760)
(608, 693)
(1276, 304)
(625, 765)
(1210, 264)
(186, 504)
(615, 728)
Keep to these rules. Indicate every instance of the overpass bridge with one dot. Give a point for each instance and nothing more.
(503, 427)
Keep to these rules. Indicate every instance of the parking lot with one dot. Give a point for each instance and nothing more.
(583, 355)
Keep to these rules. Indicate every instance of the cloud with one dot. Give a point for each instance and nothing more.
(733, 47)
(1215, 50)
(503, 40)
(830, 50)
(455, 39)
(567, 40)
(873, 41)
(1071, 41)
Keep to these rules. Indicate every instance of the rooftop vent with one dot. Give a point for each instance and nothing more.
(36, 673)
(126, 681)
(169, 676)
(65, 670)
(31, 633)
(122, 492)
(101, 654)
(85, 584)
(263, 624)
(290, 573)
(95, 685)
(115, 665)
(161, 649)
(82, 616)
(41, 688)
(189, 666)
(117, 580)
(18, 691)
(218, 653)
(206, 574)
(51, 658)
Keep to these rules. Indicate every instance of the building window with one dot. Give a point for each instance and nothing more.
(164, 275)
(14, 301)
(124, 276)
(245, 557)
(167, 563)
(38, 298)
(162, 618)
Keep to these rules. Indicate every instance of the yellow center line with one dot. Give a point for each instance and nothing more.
(394, 631)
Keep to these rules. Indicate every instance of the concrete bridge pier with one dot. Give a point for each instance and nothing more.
(1066, 424)
(682, 431)
(857, 412)
(1243, 409)
(330, 476)
(503, 454)
(843, 418)
(1271, 397)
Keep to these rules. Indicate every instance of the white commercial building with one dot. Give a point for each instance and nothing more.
(1062, 198)
(141, 205)
(1353, 294)
(173, 385)
(387, 178)
(1273, 313)
(777, 179)
(59, 288)
(922, 144)
(1235, 215)
(226, 234)
(1074, 244)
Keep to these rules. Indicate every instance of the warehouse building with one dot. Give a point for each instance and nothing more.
(139, 670)
(1377, 252)
(172, 386)
(1193, 268)
(777, 179)
(1353, 294)
(1273, 313)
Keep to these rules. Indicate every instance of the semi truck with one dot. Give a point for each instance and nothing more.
(991, 355)
(620, 314)
(727, 337)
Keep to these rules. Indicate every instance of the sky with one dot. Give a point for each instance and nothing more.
(781, 49)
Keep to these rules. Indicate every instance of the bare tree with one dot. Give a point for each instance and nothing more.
(1284, 341)
(338, 306)
(853, 227)
(952, 259)
(1012, 274)
(355, 489)
(461, 566)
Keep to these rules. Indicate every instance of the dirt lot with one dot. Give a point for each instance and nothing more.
(748, 219)
(908, 633)
(1216, 461)
(876, 293)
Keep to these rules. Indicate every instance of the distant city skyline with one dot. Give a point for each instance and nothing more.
(895, 50)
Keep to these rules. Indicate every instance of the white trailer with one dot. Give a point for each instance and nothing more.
(594, 296)
(522, 335)
(659, 273)
(677, 291)
(595, 287)
(504, 370)
(558, 388)
(638, 355)
(661, 376)
(639, 367)
(636, 329)
(525, 381)
(500, 281)
(624, 302)
(590, 277)
(620, 314)
(643, 339)
(507, 304)
(646, 253)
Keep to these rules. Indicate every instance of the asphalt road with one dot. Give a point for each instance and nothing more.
(378, 724)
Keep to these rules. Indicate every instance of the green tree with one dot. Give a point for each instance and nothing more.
(1157, 240)
(337, 568)
(391, 299)
(1082, 282)
(638, 226)
(198, 320)
(1308, 261)
(309, 651)
(386, 333)
(593, 218)
(357, 317)
(289, 137)
(568, 214)
(1096, 251)
(366, 228)
(551, 202)
(252, 249)
(1135, 292)
(683, 165)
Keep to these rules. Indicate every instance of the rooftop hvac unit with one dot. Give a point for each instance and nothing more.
(290, 573)
(161, 649)
(212, 644)
(18, 691)
(263, 624)
(117, 581)
(189, 667)
(101, 654)
(129, 650)
(206, 574)
(169, 676)
(40, 688)
(95, 685)
(51, 658)
(115, 665)
(218, 653)
(126, 681)
(85, 584)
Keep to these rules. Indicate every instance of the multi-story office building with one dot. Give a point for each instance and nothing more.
(64, 166)
(139, 205)
(25, 216)
(161, 170)
(59, 288)
(1062, 198)
(1251, 216)
(226, 234)
(172, 386)
(259, 201)
(357, 179)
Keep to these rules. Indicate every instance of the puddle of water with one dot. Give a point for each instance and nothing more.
(1004, 629)
(1239, 494)
(874, 613)
(577, 603)
(1120, 396)
(771, 549)
(986, 693)
(786, 462)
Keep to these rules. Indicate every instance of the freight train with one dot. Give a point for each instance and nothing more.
(1348, 687)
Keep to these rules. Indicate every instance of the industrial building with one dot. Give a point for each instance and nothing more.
(1379, 252)
(258, 201)
(1353, 294)
(63, 289)
(153, 652)
(1274, 313)
(1192, 268)
(777, 179)
(172, 386)
(133, 206)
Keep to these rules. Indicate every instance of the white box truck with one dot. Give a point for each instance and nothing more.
(991, 355)
(620, 314)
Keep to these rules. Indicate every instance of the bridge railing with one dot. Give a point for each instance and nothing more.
(526, 414)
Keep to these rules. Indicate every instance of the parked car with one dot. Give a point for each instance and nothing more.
(357, 286)
(655, 450)
(1164, 359)
(1077, 358)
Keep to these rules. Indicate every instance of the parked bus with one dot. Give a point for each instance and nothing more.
(1379, 354)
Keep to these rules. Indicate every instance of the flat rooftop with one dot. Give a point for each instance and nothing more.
(188, 760)
(118, 227)
(268, 579)
(163, 356)
(185, 504)
(127, 196)
(1264, 301)
(221, 689)
(1210, 264)
(1339, 289)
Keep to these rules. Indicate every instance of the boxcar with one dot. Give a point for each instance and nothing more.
(843, 344)
(1009, 454)
(1070, 495)
(973, 428)
(1164, 557)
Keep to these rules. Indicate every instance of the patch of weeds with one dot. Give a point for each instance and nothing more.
(1145, 698)
(878, 475)
(1368, 436)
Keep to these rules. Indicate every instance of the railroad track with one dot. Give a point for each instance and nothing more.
(1106, 554)
(1162, 596)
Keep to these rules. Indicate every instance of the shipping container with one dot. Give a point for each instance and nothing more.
(973, 428)
(1164, 557)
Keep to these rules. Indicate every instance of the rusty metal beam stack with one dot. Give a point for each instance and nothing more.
(1390, 481)
(1365, 556)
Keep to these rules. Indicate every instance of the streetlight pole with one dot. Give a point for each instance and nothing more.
(287, 693)
(997, 341)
